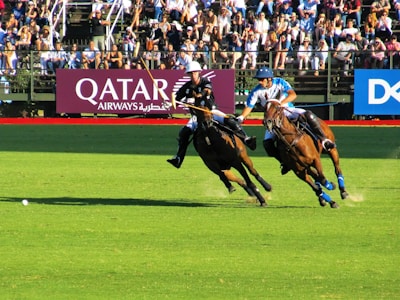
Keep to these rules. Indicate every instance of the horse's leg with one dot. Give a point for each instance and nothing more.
(323, 198)
(237, 164)
(233, 178)
(215, 168)
(246, 160)
(334, 155)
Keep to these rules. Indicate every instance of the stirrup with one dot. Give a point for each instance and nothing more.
(284, 169)
(175, 161)
(328, 145)
(251, 142)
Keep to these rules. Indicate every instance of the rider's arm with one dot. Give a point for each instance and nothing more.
(291, 96)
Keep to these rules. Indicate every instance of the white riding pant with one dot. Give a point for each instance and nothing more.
(218, 116)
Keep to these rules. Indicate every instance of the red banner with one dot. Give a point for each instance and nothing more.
(134, 91)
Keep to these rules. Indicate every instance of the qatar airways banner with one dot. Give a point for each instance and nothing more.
(134, 91)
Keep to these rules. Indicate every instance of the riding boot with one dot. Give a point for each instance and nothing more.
(183, 143)
(272, 150)
(312, 120)
(239, 132)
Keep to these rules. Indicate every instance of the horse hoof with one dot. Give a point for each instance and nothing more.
(231, 189)
(333, 204)
(344, 195)
(322, 201)
(263, 204)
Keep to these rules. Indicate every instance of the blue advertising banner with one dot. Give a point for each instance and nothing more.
(377, 92)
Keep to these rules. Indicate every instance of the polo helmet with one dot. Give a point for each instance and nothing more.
(264, 72)
(193, 66)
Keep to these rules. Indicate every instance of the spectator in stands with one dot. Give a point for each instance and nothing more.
(238, 5)
(393, 51)
(370, 25)
(24, 38)
(44, 15)
(320, 56)
(349, 29)
(11, 58)
(396, 4)
(286, 9)
(270, 7)
(251, 51)
(175, 9)
(190, 35)
(19, 13)
(306, 27)
(234, 52)
(10, 36)
(308, 7)
(137, 8)
(114, 58)
(98, 24)
(165, 26)
(129, 42)
(189, 47)
(362, 53)
(337, 24)
(57, 59)
(211, 21)
(216, 44)
(174, 36)
(344, 54)
(293, 29)
(261, 28)
(44, 38)
(34, 29)
(91, 57)
(378, 54)
(246, 32)
(154, 36)
(238, 23)
(379, 7)
(32, 13)
(207, 3)
(45, 54)
(271, 41)
(170, 57)
(383, 28)
(189, 13)
(304, 54)
(183, 59)
(352, 10)
(201, 53)
(320, 27)
(158, 9)
(283, 49)
(199, 25)
(224, 21)
(282, 25)
(74, 57)
(12, 23)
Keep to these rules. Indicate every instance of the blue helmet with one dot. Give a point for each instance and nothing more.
(264, 72)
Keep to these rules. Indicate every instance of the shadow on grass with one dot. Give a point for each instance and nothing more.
(108, 201)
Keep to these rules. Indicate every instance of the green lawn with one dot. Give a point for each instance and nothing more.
(109, 219)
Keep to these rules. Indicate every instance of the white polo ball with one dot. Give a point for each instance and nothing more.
(25, 202)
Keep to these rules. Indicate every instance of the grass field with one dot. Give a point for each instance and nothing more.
(109, 219)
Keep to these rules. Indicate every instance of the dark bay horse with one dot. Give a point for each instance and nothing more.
(221, 151)
(302, 154)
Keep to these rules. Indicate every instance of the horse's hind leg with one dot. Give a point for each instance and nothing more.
(334, 155)
(246, 160)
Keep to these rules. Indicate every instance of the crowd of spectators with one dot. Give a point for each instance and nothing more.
(233, 32)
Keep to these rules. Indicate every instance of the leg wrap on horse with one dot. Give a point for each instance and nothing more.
(238, 131)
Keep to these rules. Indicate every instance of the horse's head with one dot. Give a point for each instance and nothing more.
(273, 114)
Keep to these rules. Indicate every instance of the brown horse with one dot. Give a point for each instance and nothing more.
(302, 153)
(221, 151)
